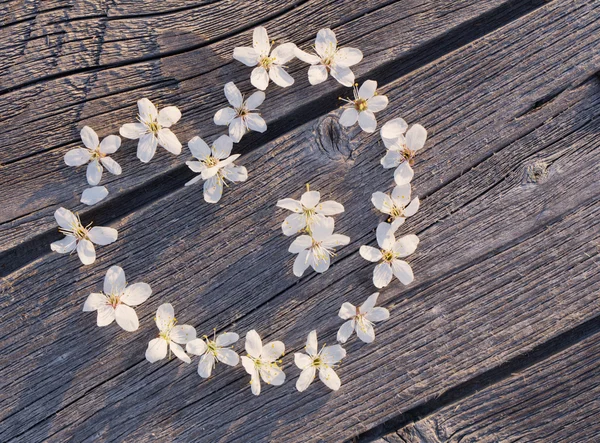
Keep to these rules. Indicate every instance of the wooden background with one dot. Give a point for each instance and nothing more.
(498, 338)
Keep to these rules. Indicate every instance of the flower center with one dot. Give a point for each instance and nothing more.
(166, 333)
(388, 256)
(319, 251)
(360, 104)
(153, 127)
(114, 300)
(77, 230)
(211, 161)
(266, 62)
(396, 212)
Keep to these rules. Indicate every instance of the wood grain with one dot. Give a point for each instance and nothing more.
(502, 265)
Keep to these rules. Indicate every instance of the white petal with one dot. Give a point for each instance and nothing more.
(89, 138)
(164, 316)
(235, 173)
(347, 311)
(336, 240)
(77, 157)
(333, 354)
(345, 331)
(246, 55)
(280, 76)
(94, 301)
(259, 78)
(393, 129)
(228, 356)
(312, 346)
(194, 180)
(248, 365)
(213, 190)
(283, 53)
(323, 229)
(64, 246)
(367, 89)
(290, 203)
(391, 159)
(133, 131)
(317, 74)
(157, 350)
(273, 376)
(102, 236)
(255, 100)
(397, 222)
(179, 353)
(403, 271)
(330, 208)
(310, 199)
(382, 275)
(91, 196)
(127, 318)
(301, 360)
(416, 137)
(343, 75)
(401, 194)
(382, 201)
(330, 378)
(106, 315)
(110, 144)
(146, 147)
(412, 208)
(403, 173)
(367, 121)
(377, 103)
(260, 41)
(199, 149)
(325, 43)
(385, 236)
(224, 116)
(406, 245)
(378, 314)
(147, 110)
(319, 264)
(370, 253)
(237, 129)
(86, 252)
(255, 383)
(136, 294)
(348, 56)
(369, 303)
(112, 166)
(365, 332)
(227, 339)
(306, 378)
(94, 173)
(114, 281)
(349, 117)
(233, 95)
(169, 141)
(182, 334)
(205, 365)
(301, 263)
(306, 57)
(256, 123)
(65, 218)
(196, 347)
(272, 351)
(168, 116)
(253, 343)
(293, 224)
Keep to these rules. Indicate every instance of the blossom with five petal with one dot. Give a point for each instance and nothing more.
(398, 206)
(316, 249)
(96, 153)
(323, 361)
(212, 351)
(115, 302)
(239, 118)
(170, 336)
(215, 166)
(361, 319)
(269, 64)
(401, 148)
(79, 237)
(261, 361)
(330, 59)
(307, 211)
(366, 102)
(389, 254)
(153, 129)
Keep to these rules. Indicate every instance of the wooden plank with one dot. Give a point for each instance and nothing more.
(105, 98)
(492, 225)
(555, 400)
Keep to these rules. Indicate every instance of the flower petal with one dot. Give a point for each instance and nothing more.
(317, 74)
(406, 245)
(293, 224)
(86, 252)
(401, 194)
(169, 141)
(283, 53)
(157, 350)
(179, 353)
(306, 378)
(367, 89)
(319, 264)
(272, 351)
(182, 334)
(102, 236)
(260, 41)
(378, 314)
(312, 346)
(196, 347)
(228, 356)
(94, 301)
(403, 173)
(348, 56)
(301, 360)
(377, 103)
(114, 281)
(164, 316)
(255, 383)
(205, 365)
(310, 199)
(273, 376)
(94, 173)
(235, 173)
(329, 207)
(110, 144)
(301, 263)
(382, 275)
(91, 196)
(416, 137)
(391, 159)
(133, 131)
(78, 157)
(127, 318)
(64, 246)
(213, 190)
(224, 116)
(323, 229)
(290, 203)
(222, 147)
(365, 331)
(168, 116)
(89, 138)
(330, 378)
(147, 147)
(345, 331)
(106, 315)
(136, 294)
(147, 110)
(255, 100)
(306, 57)
(233, 95)
(65, 218)
(367, 121)
(382, 202)
(333, 354)
(370, 253)
(347, 311)
(227, 339)
(369, 303)
(325, 43)
(343, 75)
(393, 129)
(112, 166)
(259, 78)
(385, 236)
(256, 123)
(248, 365)
(280, 76)
(246, 55)
(413, 207)
(336, 240)
(403, 271)
(253, 343)
(194, 180)
(199, 148)
(349, 117)
(237, 129)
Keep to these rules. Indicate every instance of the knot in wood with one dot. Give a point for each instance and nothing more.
(333, 140)
(536, 172)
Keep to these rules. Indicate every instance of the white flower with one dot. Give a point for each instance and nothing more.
(307, 211)
(391, 251)
(153, 129)
(116, 300)
(324, 361)
(262, 361)
(365, 103)
(79, 237)
(315, 249)
(239, 118)
(91, 196)
(213, 351)
(401, 149)
(398, 206)
(361, 319)
(169, 337)
(267, 66)
(215, 165)
(96, 154)
(330, 59)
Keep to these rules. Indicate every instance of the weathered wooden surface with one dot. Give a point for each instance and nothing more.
(508, 259)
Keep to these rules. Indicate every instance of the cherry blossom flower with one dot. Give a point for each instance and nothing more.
(115, 302)
(366, 102)
(389, 254)
(215, 166)
(323, 361)
(239, 118)
(307, 211)
(267, 66)
(79, 237)
(212, 351)
(261, 361)
(401, 149)
(153, 129)
(361, 319)
(330, 59)
(398, 206)
(93, 195)
(96, 154)
(316, 249)
(170, 337)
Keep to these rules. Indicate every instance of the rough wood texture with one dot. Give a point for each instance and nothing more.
(503, 266)
(556, 400)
